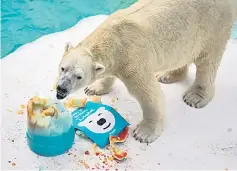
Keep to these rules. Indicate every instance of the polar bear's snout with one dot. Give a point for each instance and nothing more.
(63, 88)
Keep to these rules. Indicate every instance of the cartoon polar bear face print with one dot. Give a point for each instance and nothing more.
(101, 121)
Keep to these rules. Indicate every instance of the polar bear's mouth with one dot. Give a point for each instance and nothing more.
(107, 126)
(60, 95)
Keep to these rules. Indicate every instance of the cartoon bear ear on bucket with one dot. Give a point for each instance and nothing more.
(101, 109)
(81, 124)
(68, 46)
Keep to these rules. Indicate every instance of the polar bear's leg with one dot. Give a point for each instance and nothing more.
(173, 76)
(100, 86)
(148, 93)
(203, 89)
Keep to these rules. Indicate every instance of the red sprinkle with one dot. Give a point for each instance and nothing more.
(87, 153)
(97, 153)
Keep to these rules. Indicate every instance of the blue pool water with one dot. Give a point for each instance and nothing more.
(24, 21)
(234, 33)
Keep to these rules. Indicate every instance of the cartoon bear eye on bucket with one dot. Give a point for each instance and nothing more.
(102, 121)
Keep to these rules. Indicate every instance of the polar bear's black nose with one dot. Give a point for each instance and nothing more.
(61, 89)
(101, 121)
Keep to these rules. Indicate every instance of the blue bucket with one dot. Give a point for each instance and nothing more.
(51, 145)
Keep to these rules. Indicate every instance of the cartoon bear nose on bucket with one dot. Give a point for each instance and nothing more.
(101, 121)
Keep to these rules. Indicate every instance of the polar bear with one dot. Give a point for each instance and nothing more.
(102, 121)
(150, 40)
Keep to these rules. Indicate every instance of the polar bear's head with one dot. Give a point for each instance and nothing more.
(102, 121)
(76, 70)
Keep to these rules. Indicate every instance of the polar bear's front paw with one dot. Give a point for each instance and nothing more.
(197, 97)
(145, 132)
(97, 89)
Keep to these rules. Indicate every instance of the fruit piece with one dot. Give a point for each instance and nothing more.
(96, 99)
(73, 102)
(36, 113)
(111, 158)
(30, 108)
(36, 100)
(113, 100)
(20, 112)
(121, 137)
(39, 101)
(23, 106)
(49, 112)
(116, 152)
(97, 153)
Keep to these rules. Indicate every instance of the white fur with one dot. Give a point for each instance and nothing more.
(157, 37)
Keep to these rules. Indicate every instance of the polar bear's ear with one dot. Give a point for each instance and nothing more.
(68, 46)
(98, 68)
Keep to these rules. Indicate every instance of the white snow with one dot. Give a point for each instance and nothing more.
(192, 139)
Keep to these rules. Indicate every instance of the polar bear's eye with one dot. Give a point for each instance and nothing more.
(62, 69)
(99, 114)
(90, 121)
(79, 77)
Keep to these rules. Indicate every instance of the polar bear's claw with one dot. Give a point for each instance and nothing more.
(96, 89)
(196, 98)
(145, 133)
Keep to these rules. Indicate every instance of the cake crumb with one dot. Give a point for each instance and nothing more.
(113, 100)
(54, 86)
(23, 106)
(111, 158)
(13, 164)
(85, 164)
(20, 112)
